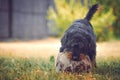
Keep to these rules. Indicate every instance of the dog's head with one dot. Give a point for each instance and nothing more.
(75, 46)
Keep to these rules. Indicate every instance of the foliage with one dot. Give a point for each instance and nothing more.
(38, 69)
(69, 11)
(114, 4)
(102, 23)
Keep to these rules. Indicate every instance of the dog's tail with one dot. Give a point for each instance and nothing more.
(91, 12)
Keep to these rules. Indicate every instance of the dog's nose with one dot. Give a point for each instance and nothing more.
(75, 58)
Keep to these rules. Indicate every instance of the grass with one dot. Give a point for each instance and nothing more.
(16, 68)
(16, 64)
(108, 69)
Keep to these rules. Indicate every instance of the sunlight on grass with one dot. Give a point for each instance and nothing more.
(32, 61)
(12, 68)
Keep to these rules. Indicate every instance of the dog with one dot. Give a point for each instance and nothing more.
(80, 38)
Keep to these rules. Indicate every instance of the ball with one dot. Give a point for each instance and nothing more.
(64, 63)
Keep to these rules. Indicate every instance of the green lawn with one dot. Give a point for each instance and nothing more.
(12, 68)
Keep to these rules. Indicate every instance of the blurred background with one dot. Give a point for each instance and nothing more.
(33, 28)
(30, 33)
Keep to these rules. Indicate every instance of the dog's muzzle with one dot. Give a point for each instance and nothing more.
(74, 58)
(70, 56)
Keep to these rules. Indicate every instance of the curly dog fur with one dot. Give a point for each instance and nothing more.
(79, 38)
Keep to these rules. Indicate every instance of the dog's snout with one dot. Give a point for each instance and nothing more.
(75, 58)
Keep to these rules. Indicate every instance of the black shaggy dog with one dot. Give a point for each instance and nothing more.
(79, 38)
